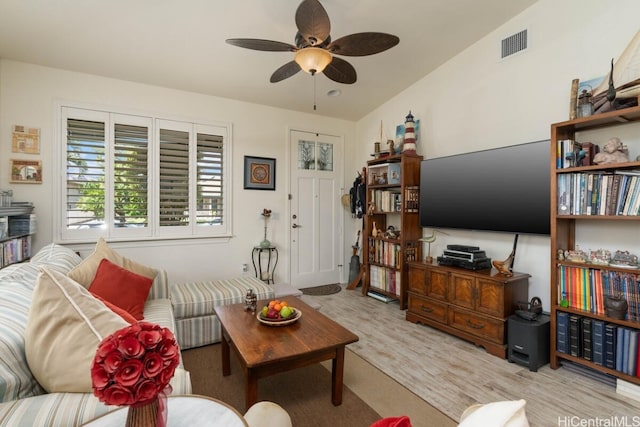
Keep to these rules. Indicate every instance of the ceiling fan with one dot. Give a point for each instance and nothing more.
(314, 48)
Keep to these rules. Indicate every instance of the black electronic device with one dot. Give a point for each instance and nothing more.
(463, 248)
(503, 189)
(479, 264)
(528, 341)
(464, 255)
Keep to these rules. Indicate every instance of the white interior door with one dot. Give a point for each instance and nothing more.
(315, 220)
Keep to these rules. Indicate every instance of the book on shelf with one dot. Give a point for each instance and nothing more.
(598, 341)
(633, 352)
(587, 346)
(562, 332)
(620, 348)
(575, 335)
(610, 345)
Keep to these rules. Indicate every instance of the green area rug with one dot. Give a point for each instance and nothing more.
(322, 290)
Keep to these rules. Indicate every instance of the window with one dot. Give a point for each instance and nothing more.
(130, 177)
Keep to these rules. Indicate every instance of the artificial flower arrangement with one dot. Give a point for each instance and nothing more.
(133, 365)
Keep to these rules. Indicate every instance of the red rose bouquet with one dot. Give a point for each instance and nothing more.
(134, 364)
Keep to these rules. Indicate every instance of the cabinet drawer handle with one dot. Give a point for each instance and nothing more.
(427, 309)
(473, 325)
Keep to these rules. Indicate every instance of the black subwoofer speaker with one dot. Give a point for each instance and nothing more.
(528, 341)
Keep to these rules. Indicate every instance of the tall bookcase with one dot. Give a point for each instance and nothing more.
(581, 331)
(17, 224)
(392, 200)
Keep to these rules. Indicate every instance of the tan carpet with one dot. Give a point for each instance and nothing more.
(305, 393)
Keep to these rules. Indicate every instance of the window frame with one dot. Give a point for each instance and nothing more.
(153, 231)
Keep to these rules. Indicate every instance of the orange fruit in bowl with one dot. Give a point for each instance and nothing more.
(284, 304)
(277, 307)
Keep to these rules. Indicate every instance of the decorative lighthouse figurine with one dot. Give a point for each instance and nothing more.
(409, 144)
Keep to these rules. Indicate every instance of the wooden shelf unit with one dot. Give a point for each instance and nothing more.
(386, 258)
(15, 246)
(472, 305)
(564, 235)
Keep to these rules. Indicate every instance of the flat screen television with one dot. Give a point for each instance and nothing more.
(503, 189)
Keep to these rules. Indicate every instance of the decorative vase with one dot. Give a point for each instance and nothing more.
(144, 415)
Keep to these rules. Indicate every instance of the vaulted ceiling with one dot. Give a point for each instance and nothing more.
(181, 44)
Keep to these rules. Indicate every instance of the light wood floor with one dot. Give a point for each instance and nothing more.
(452, 374)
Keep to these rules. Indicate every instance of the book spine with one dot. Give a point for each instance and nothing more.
(598, 337)
(610, 345)
(587, 338)
(575, 339)
(562, 332)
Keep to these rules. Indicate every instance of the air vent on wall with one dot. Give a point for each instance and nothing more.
(514, 44)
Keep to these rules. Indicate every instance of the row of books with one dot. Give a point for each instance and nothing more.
(584, 288)
(15, 250)
(571, 153)
(386, 201)
(384, 278)
(386, 253)
(605, 344)
(599, 193)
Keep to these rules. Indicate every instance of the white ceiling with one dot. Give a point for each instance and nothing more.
(181, 44)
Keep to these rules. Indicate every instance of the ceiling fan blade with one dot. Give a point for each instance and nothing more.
(341, 71)
(313, 22)
(362, 44)
(265, 45)
(284, 72)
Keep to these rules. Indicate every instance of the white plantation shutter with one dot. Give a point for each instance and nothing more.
(130, 175)
(126, 180)
(85, 177)
(210, 173)
(174, 178)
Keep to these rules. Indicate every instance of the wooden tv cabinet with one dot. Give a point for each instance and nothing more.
(472, 305)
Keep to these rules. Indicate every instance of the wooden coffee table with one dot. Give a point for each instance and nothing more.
(267, 350)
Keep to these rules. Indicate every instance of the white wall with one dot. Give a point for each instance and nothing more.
(477, 101)
(29, 92)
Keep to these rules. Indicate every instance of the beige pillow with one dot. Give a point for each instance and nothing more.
(65, 325)
(85, 272)
(508, 413)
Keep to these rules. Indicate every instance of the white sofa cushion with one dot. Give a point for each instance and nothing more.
(65, 325)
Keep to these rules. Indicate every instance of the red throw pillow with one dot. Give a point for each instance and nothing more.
(117, 310)
(402, 421)
(121, 287)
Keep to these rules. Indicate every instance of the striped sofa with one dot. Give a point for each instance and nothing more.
(193, 304)
(23, 402)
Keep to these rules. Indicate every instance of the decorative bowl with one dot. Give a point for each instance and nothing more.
(280, 322)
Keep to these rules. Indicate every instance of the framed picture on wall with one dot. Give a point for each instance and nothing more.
(26, 171)
(259, 173)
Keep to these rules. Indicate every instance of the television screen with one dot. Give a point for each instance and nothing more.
(503, 189)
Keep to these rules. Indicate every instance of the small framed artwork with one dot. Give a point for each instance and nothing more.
(259, 173)
(25, 140)
(26, 171)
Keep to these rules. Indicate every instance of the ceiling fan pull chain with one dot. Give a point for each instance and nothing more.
(314, 93)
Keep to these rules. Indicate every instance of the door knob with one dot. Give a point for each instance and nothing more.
(296, 226)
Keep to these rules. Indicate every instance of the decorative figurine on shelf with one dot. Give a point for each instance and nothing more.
(391, 233)
(615, 307)
(585, 106)
(624, 259)
(560, 255)
(613, 151)
(409, 143)
(576, 255)
(600, 257)
(506, 267)
(266, 214)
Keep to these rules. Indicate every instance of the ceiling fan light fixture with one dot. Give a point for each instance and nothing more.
(313, 59)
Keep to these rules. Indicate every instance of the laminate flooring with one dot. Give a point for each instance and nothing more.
(452, 374)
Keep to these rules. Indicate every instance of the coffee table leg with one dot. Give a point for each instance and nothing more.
(226, 361)
(251, 388)
(337, 374)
